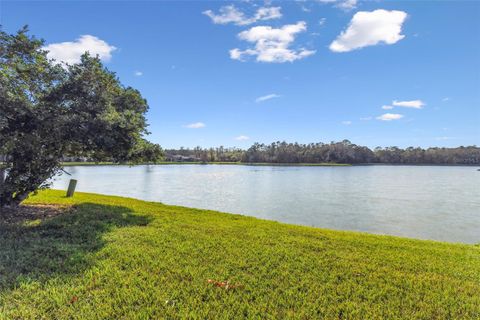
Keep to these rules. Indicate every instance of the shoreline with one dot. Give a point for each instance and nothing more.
(72, 164)
(358, 232)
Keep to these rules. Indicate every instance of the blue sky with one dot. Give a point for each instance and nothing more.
(306, 71)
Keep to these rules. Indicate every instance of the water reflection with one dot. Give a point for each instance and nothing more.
(440, 203)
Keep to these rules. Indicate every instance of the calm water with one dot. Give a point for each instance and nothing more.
(427, 202)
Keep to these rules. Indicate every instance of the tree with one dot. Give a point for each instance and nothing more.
(48, 111)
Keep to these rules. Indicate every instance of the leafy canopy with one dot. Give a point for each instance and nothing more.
(50, 110)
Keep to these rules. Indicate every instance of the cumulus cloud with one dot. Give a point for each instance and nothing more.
(272, 44)
(267, 97)
(347, 123)
(416, 104)
(71, 51)
(195, 125)
(390, 116)
(138, 73)
(369, 28)
(230, 14)
(387, 107)
(242, 138)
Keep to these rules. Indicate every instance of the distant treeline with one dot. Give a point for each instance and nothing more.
(334, 152)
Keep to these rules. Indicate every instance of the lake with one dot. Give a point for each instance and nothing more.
(425, 202)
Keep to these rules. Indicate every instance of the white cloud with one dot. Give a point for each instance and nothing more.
(390, 116)
(230, 14)
(242, 138)
(138, 73)
(267, 97)
(347, 4)
(305, 9)
(347, 123)
(368, 28)
(268, 13)
(445, 99)
(366, 118)
(342, 4)
(196, 125)
(322, 21)
(387, 107)
(272, 44)
(71, 51)
(416, 104)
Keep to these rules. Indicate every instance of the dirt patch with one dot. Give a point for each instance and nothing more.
(31, 212)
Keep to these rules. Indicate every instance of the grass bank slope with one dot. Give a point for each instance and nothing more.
(116, 258)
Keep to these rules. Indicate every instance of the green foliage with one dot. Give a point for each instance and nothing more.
(48, 111)
(143, 260)
(333, 152)
(330, 164)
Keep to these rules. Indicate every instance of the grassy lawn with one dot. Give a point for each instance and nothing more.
(116, 258)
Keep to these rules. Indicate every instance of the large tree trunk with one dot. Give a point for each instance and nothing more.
(7, 197)
(2, 182)
(24, 179)
(2, 177)
(2, 171)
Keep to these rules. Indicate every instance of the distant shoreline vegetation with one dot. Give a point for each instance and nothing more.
(314, 154)
(92, 163)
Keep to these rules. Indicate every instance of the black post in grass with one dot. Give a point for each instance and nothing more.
(71, 188)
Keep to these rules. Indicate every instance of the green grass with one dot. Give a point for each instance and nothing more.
(323, 164)
(118, 258)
